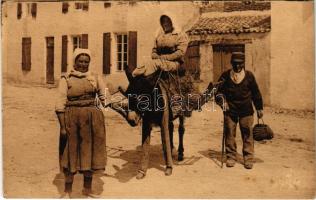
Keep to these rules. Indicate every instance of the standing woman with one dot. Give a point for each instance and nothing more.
(81, 122)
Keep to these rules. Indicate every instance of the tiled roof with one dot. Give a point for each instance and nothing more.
(231, 24)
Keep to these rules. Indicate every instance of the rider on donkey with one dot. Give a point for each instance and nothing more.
(168, 51)
(167, 56)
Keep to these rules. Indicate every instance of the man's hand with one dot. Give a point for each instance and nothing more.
(259, 113)
(225, 107)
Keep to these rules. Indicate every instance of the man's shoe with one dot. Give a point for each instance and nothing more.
(230, 162)
(65, 195)
(248, 164)
(168, 171)
(140, 175)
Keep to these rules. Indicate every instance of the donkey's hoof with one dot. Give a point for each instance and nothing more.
(180, 157)
(168, 171)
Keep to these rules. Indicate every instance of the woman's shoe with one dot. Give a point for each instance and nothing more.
(88, 192)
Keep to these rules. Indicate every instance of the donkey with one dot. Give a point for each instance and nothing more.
(150, 100)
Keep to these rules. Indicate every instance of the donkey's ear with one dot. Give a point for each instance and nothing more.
(210, 86)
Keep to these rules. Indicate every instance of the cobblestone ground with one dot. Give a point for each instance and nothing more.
(284, 168)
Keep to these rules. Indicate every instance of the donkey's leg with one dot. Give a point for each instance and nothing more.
(171, 130)
(146, 130)
(181, 133)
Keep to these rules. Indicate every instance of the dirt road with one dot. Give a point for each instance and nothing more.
(284, 168)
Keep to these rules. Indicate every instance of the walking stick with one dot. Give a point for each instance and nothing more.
(223, 140)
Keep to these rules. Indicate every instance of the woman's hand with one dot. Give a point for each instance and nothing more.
(61, 119)
(164, 57)
(155, 56)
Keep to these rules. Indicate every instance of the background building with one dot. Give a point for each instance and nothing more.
(38, 39)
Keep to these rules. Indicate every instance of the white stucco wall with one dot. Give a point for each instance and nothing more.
(142, 17)
(292, 55)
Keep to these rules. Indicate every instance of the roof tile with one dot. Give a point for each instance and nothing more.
(232, 24)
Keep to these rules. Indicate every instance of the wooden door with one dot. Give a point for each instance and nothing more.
(50, 60)
(192, 59)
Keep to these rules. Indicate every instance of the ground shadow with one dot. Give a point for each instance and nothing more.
(217, 158)
(187, 160)
(97, 184)
(59, 182)
(129, 170)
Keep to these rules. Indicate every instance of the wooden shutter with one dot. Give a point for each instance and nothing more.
(107, 5)
(19, 10)
(84, 41)
(106, 53)
(192, 59)
(26, 54)
(50, 60)
(64, 53)
(132, 50)
(85, 6)
(65, 7)
(34, 9)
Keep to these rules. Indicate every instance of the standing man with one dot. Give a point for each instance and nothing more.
(240, 91)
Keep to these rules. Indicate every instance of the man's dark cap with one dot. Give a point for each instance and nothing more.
(238, 57)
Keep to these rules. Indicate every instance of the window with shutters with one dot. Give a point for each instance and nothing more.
(77, 41)
(82, 6)
(80, 41)
(26, 54)
(121, 41)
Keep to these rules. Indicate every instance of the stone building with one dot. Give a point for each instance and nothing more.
(38, 39)
(278, 47)
(225, 27)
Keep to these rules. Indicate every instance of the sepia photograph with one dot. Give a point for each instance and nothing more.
(158, 99)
